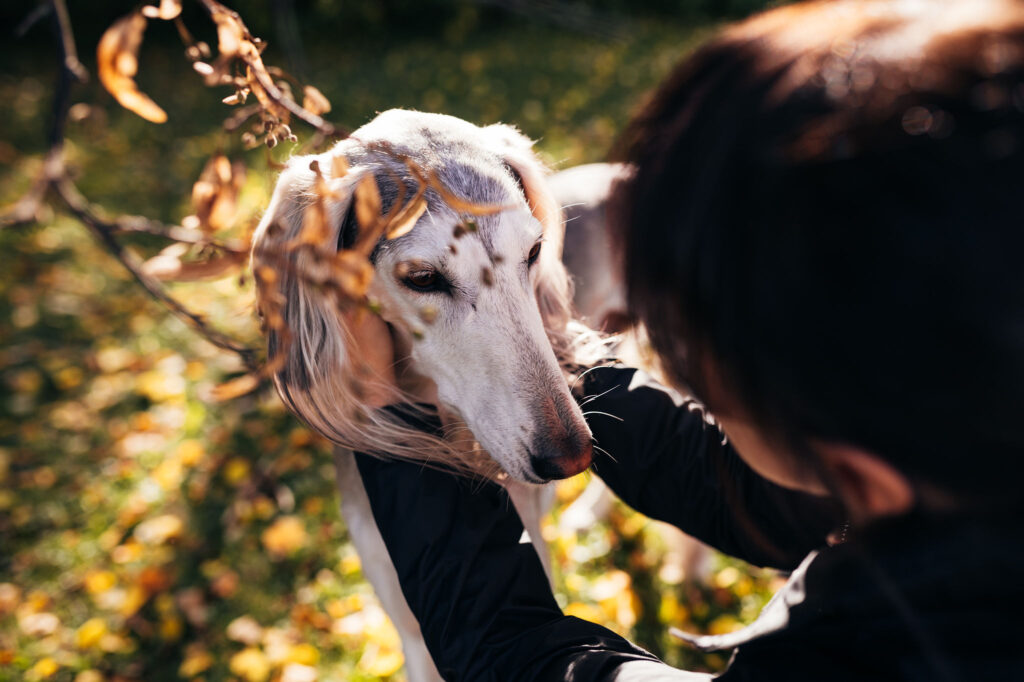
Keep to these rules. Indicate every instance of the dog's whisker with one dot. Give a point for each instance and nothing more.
(604, 414)
(591, 398)
(604, 452)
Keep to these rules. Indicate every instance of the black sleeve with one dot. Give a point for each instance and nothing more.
(663, 457)
(482, 599)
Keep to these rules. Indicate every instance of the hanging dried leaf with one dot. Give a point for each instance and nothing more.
(315, 223)
(230, 33)
(368, 203)
(353, 273)
(215, 193)
(261, 94)
(462, 205)
(117, 63)
(313, 100)
(339, 166)
(168, 267)
(167, 10)
(237, 387)
(406, 220)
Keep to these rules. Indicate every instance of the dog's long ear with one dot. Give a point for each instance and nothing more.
(306, 341)
(553, 287)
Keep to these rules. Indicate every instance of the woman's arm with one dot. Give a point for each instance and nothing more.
(480, 594)
(663, 457)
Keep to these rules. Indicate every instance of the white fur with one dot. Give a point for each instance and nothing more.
(497, 354)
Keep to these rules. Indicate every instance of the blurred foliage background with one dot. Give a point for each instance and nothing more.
(150, 533)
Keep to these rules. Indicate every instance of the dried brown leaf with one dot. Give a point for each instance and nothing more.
(237, 387)
(215, 193)
(406, 219)
(261, 94)
(313, 100)
(353, 273)
(168, 267)
(167, 10)
(314, 225)
(230, 33)
(368, 204)
(462, 205)
(339, 166)
(117, 62)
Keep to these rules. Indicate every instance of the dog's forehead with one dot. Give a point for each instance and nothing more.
(446, 238)
(430, 139)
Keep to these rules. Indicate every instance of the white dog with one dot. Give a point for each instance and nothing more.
(481, 308)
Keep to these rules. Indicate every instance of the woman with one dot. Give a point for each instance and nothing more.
(825, 239)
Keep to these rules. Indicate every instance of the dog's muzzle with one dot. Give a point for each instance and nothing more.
(563, 456)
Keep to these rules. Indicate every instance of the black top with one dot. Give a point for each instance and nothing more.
(909, 599)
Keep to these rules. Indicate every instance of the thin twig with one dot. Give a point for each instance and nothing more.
(54, 175)
(266, 82)
(104, 232)
(33, 18)
(67, 41)
(134, 224)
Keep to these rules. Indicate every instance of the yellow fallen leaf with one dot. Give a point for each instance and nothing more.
(90, 633)
(44, 667)
(39, 624)
(236, 470)
(381, 661)
(134, 598)
(584, 612)
(296, 672)
(303, 654)
(285, 536)
(245, 629)
(190, 452)
(159, 529)
(197, 660)
(724, 624)
(10, 597)
(89, 676)
(251, 664)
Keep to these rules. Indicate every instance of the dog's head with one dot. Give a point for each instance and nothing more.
(481, 306)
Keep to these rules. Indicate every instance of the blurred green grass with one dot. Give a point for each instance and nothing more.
(149, 533)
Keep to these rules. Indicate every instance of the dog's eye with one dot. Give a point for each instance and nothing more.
(425, 280)
(534, 254)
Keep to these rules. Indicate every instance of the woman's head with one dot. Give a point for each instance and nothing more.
(826, 230)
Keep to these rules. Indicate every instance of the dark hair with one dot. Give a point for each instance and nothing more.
(827, 211)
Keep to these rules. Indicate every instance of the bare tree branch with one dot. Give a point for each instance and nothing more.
(104, 232)
(54, 176)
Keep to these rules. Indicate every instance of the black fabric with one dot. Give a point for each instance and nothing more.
(482, 599)
(912, 599)
(662, 457)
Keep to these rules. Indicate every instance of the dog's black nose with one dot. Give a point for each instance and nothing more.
(551, 464)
